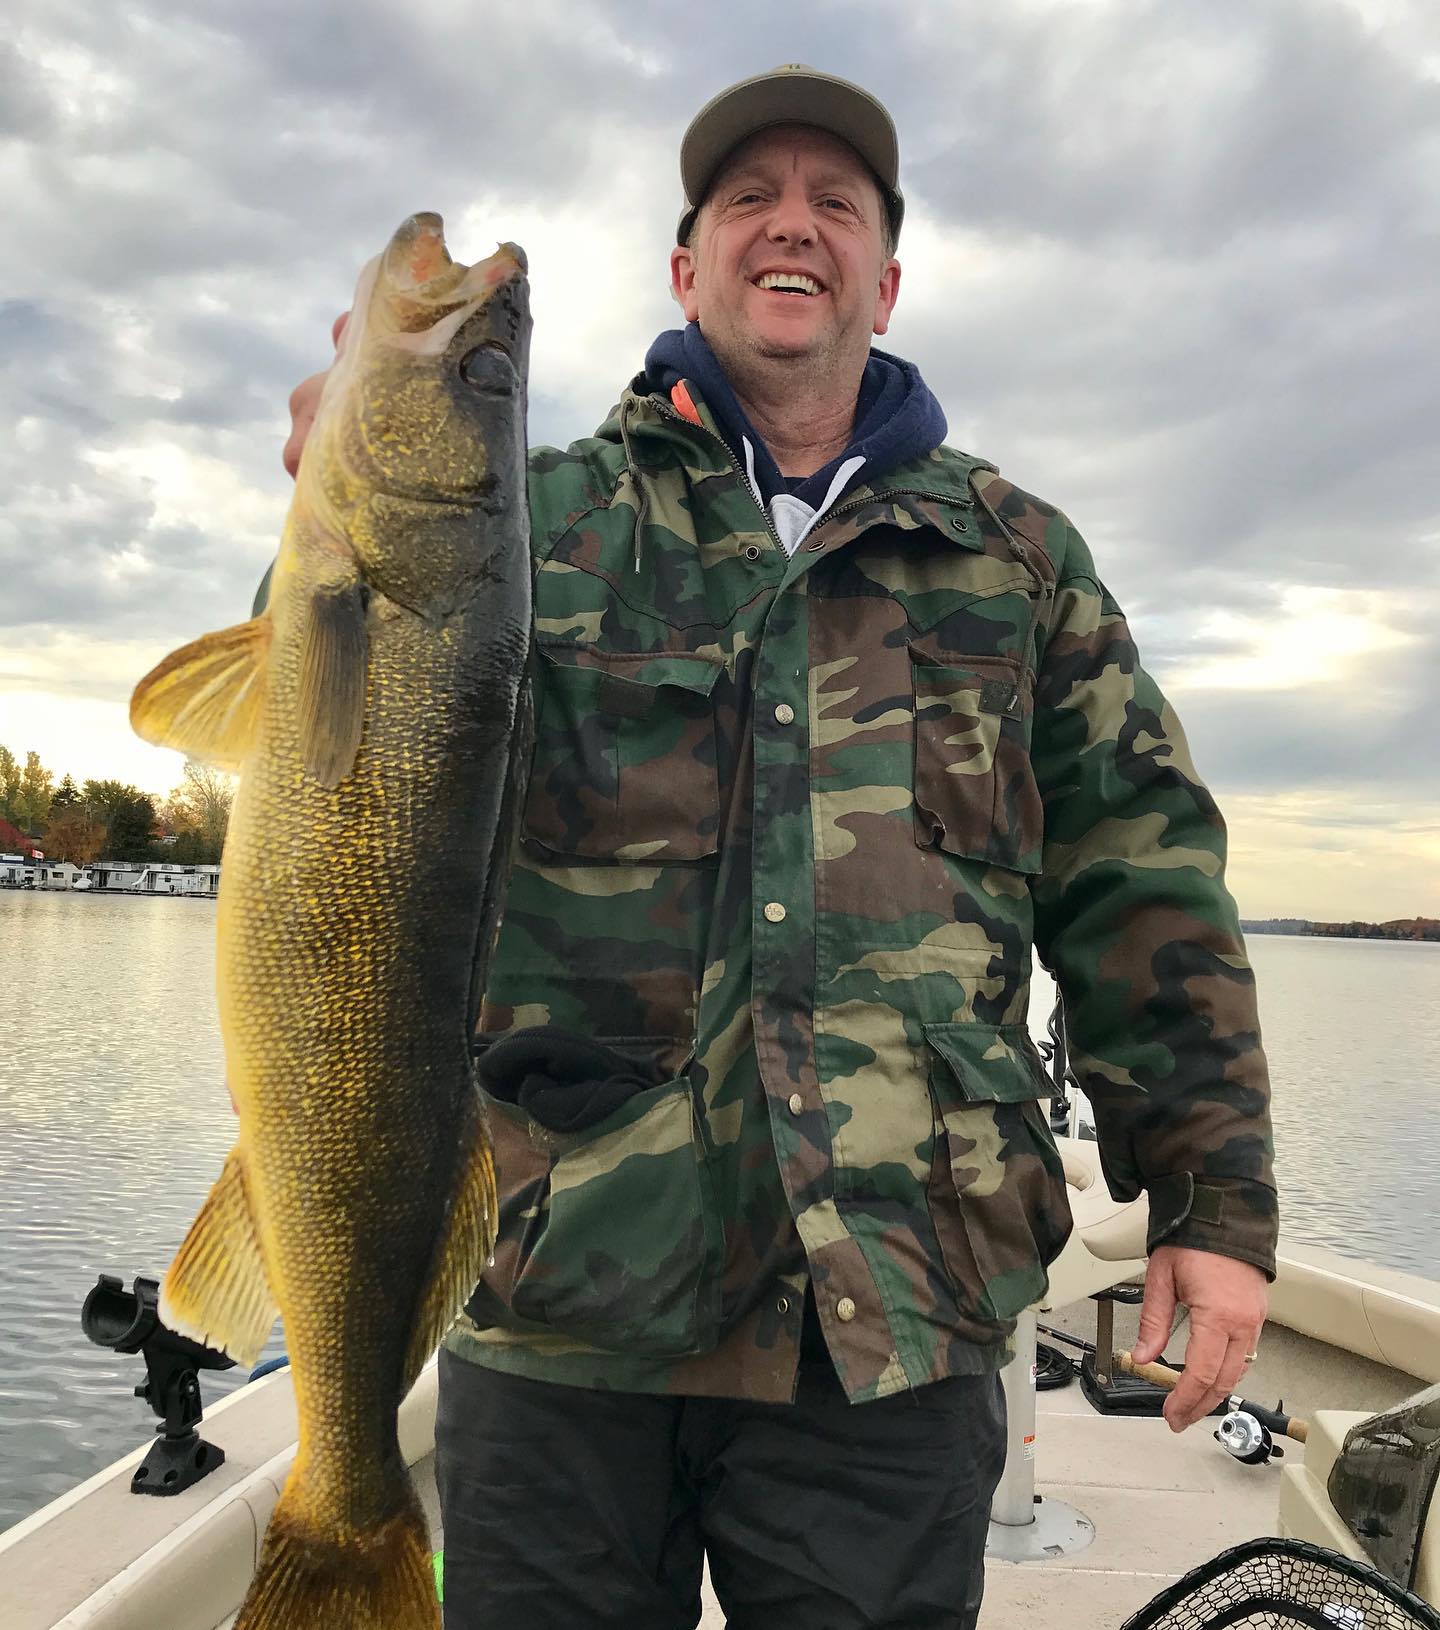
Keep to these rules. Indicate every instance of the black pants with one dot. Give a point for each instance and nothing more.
(571, 1509)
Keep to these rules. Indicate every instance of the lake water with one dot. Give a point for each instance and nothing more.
(114, 1123)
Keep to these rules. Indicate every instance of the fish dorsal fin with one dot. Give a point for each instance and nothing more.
(334, 657)
(216, 1290)
(205, 699)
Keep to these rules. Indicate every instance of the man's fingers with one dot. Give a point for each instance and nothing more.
(1233, 1367)
(1198, 1390)
(305, 401)
(1157, 1313)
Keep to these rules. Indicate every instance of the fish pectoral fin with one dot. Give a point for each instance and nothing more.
(216, 1290)
(205, 699)
(334, 656)
(465, 1244)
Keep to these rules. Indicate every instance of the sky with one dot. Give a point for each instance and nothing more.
(1173, 266)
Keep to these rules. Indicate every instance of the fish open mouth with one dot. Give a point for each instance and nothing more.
(430, 295)
(417, 261)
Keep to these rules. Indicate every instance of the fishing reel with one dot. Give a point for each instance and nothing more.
(128, 1321)
(1247, 1434)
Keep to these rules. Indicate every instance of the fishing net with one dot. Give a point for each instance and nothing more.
(1274, 1584)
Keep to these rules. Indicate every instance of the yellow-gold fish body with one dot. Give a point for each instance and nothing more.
(376, 713)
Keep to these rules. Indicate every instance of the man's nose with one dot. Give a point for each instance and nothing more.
(793, 218)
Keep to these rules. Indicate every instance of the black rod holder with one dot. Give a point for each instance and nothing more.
(128, 1321)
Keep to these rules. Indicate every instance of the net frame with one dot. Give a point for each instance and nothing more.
(1275, 1583)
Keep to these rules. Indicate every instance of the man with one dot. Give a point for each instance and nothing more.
(834, 723)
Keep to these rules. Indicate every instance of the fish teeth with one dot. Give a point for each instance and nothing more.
(788, 280)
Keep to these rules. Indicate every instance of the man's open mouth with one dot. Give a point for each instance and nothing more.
(788, 283)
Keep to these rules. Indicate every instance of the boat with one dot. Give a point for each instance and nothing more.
(1098, 1512)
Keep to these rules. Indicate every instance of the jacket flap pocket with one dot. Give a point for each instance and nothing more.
(619, 672)
(986, 1063)
(626, 756)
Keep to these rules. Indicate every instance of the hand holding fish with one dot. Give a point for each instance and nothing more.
(305, 400)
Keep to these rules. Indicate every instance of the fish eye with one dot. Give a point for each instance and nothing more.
(489, 369)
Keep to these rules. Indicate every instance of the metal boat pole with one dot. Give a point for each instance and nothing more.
(1023, 1526)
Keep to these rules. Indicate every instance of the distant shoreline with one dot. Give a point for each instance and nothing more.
(1400, 928)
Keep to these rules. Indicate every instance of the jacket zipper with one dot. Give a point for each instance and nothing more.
(667, 412)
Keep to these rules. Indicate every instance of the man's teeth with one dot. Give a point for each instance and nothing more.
(789, 282)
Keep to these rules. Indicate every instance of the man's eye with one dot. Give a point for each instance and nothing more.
(835, 203)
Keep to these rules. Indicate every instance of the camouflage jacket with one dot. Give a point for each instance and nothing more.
(792, 829)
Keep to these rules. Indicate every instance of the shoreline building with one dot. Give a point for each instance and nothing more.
(147, 877)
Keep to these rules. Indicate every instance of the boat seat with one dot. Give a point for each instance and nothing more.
(1108, 1244)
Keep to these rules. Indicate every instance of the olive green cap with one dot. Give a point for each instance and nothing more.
(790, 94)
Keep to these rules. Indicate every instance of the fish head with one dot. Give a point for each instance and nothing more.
(420, 433)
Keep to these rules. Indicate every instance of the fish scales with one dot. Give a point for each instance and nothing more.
(375, 713)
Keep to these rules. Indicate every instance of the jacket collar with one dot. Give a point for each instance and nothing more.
(660, 429)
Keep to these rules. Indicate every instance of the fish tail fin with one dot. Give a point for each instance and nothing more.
(379, 1577)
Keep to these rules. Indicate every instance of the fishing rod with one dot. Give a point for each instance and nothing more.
(1249, 1430)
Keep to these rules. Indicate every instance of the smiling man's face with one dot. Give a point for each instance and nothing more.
(788, 259)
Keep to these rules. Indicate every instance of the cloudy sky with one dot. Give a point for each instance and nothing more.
(1175, 266)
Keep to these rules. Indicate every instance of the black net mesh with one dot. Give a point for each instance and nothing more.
(1273, 1584)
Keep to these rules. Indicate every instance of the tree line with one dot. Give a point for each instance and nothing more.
(113, 820)
(1398, 928)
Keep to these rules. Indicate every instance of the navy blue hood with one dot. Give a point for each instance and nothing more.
(896, 417)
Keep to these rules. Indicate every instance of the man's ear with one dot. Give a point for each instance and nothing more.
(682, 281)
(886, 295)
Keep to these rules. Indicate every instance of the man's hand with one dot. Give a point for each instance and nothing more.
(1227, 1300)
(305, 399)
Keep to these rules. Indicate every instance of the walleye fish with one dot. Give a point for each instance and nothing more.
(376, 713)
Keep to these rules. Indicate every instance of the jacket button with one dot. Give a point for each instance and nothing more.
(783, 1305)
(752, 551)
(774, 912)
(796, 1103)
(845, 1309)
(784, 714)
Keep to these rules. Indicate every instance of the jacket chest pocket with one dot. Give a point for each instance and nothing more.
(975, 791)
(625, 764)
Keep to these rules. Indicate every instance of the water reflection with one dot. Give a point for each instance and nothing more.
(113, 1124)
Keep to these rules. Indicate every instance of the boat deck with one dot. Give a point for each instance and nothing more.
(1161, 1502)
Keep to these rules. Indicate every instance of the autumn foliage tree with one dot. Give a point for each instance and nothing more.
(198, 812)
(74, 833)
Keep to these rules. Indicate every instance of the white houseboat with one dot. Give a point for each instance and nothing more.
(59, 874)
(14, 872)
(143, 877)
